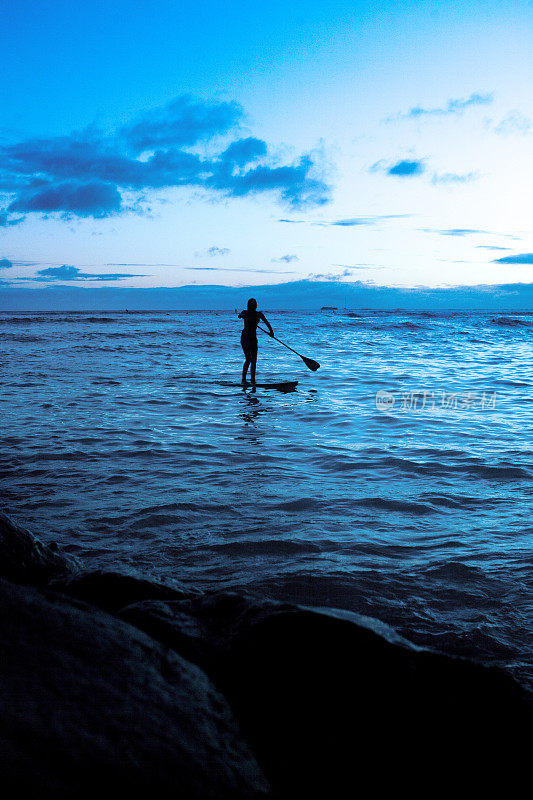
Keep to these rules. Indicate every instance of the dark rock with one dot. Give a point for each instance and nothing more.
(89, 705)
(168, 623)
(112, 590)
(25, 559)
(328, 703)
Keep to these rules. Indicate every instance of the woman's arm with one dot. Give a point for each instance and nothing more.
(262, 316)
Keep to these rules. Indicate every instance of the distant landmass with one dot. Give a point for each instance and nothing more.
(298, 295)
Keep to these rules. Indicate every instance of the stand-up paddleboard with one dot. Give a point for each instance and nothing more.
(283, 386)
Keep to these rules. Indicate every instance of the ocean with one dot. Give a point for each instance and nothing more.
(395, 482)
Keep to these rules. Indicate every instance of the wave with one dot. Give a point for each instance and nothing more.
(510, 321)
(338, 505)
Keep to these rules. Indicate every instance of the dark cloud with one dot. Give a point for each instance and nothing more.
(522, 258)
(93, 199)
(453, 177)
(5, 263)
(85, 174)
(243, 152)
(295, 184)
(454, 106)
(287, 259)
(182, 123)
(407, 169)
(69, 273)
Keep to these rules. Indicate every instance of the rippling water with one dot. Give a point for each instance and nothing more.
(124, 440)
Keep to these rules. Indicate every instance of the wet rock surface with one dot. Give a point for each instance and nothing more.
(89, 704)
(112, 590)
(322, 699)
(25, 559)
(202, 695)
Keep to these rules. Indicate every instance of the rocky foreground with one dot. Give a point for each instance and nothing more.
(113, 683)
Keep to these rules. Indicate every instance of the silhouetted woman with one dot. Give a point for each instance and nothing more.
(251, 318)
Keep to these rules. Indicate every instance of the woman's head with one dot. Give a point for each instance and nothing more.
(252, 304)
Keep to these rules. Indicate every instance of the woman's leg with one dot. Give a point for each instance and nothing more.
(247, 356)
(253, 362)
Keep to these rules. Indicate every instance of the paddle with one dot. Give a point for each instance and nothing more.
(309, 362)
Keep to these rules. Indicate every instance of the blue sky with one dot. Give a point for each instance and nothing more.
(169, 143)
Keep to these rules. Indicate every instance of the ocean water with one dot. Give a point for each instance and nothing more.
(395, 482)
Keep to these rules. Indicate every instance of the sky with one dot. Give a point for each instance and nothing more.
(161, 144)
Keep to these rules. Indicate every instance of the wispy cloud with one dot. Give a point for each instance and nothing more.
(514, 123)
(213, 252)
(521, 258)
(454, 177)
(490, 247)
(287, 259)
(240, 269)
(86, 174)
(361, 266)
(330, 276)
(455, 106)
(350, 222)
(70, 273)
(456, 231)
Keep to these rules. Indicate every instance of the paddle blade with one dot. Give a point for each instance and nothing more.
(313, 365)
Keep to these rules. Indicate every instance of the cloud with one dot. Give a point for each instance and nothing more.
(362, 266)
(455, 106)
(243, 152)
(453, 177)
(490, 247)
(356, 221)
(522, 258)
(69, 273)
(182, 122)
(287, 259)
(514, 123)
(218, 251)
(407, 169)
(5, 263)
(84, 174)
(240, 269)
(349, 223)
(94, 199)
(295, 184)
(330, 276)
(5, 220)
(456, 231)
